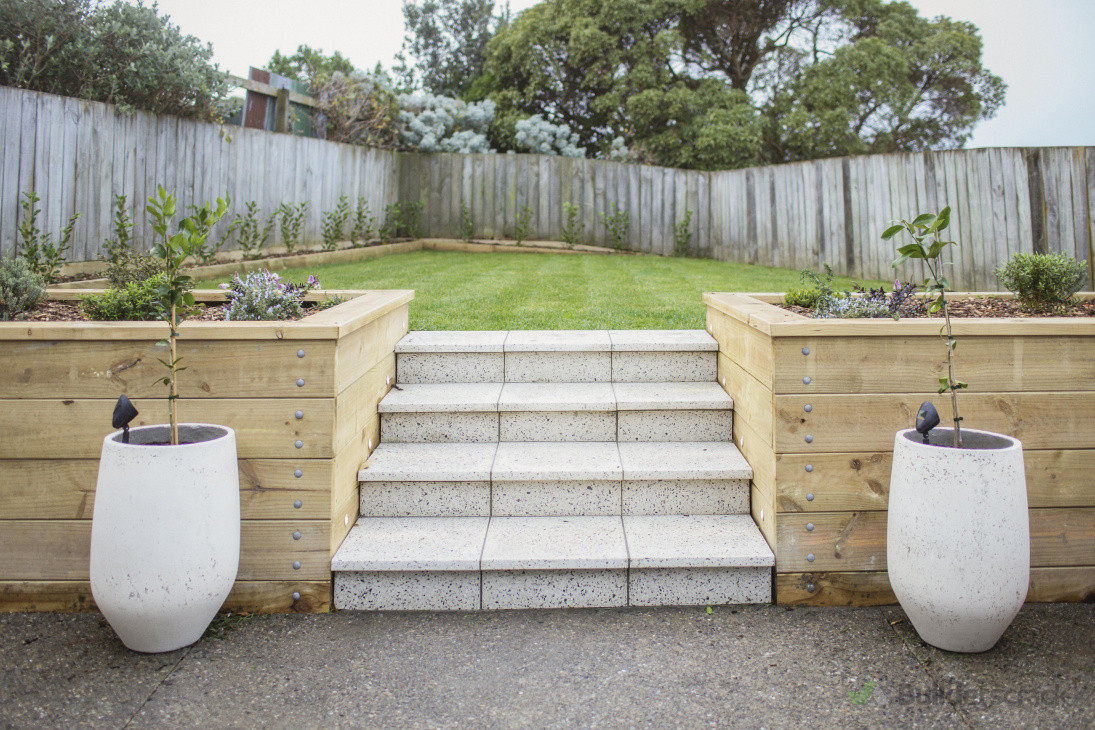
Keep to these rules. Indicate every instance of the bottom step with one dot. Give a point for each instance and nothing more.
(470, 563)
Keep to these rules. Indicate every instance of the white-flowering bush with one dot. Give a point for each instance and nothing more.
(430, 123)
(264, 296)
(541, 137)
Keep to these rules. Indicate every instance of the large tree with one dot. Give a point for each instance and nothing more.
(444, 48)
(714, 83)
(309, 65)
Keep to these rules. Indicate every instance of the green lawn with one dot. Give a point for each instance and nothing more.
(494, 291)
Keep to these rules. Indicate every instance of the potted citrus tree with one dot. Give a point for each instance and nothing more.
(958, 533)
(165, 532)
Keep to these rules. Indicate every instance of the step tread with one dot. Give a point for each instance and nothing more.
(662, 341)
(696, 541)
(558, 341)
(671, 396)
(451, 341)
(412, 543)
(429, 462)
(555, 543)
(557, 397)
(383, 544)
(663, 460)
(547, 397)
(554, 461)
(442, 398)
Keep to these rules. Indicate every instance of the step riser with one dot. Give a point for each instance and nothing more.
(557, 367)
(536, 589)
(541, 426)
(555, 498)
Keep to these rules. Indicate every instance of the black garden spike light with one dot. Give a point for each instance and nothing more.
(124, 412)
(927, 418)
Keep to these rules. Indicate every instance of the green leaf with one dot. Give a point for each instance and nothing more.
(958, 385)
(943, 385)
(942, 220)
(892, 231)
(898, 261)
(924, 219)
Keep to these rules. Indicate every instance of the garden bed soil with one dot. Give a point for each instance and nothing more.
(986, 307)
(54, 311)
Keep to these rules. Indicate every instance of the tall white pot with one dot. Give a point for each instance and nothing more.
(958, 536)
(165, 534)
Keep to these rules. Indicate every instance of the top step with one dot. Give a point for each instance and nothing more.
(557, 356)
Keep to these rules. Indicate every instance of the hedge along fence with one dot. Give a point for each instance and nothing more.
(79, 154)
(302, 397)
(816, 407)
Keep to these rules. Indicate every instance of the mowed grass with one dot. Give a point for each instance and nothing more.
(496, 291)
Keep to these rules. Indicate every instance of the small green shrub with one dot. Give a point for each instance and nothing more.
(682, 234)
(574, 228)
(363, 223)
(334, 224)
(802, 296)
(412, 219)
(38, 249)
(252, 237)
(290, 220)
(262, 295)
(133, 302)
(20, 287)
(121, 242)
(332, 301)
(131, 266)
(401, 220)
(524, 221)
(204, 220)
(1043, 281)
(618, 225)
(467, 223)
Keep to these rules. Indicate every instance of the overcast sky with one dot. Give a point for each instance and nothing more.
(1043, 50)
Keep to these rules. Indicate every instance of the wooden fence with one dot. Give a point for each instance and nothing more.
(77, 155)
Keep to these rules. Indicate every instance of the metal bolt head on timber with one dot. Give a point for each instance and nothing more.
(297, 504)
(809, 468)
(806, 380)
(300, 353)
(298, 473)
(299, 415)
(299, 444)
(810, 497)
(296, 564)
(296, 595)
(807, 408)
(810, 587)
(806, 351)
(809, 527)
(809, 439)
(296, 534)
(810, 558)
(300, 382)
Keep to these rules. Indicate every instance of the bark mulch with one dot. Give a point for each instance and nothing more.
(988, 307)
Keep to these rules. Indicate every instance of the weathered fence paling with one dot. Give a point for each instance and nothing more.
(77, 155)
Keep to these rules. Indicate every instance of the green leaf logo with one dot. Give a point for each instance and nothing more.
(862, 695)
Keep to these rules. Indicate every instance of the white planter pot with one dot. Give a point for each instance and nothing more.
(958, 536)
(165, 534)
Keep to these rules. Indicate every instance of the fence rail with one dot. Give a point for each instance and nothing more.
(77, 155)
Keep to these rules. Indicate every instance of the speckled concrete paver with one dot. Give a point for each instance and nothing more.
(752, 667)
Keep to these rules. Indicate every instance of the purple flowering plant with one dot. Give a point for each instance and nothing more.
(262, 295)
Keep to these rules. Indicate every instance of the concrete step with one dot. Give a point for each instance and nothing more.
(554, 479)
(468, 563)
(557, 356)
(484, 412)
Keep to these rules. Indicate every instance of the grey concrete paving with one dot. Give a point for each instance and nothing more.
(755, 667)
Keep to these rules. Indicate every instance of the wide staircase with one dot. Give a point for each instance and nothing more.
(554, 469)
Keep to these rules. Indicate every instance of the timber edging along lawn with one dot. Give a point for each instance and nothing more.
(345, 255)
(302, 397)
(816, 407)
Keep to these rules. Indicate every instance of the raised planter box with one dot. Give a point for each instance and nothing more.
(302, 397)
(822, 474)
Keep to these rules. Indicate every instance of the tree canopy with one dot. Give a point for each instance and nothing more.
(309, 65)
(710, 84)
